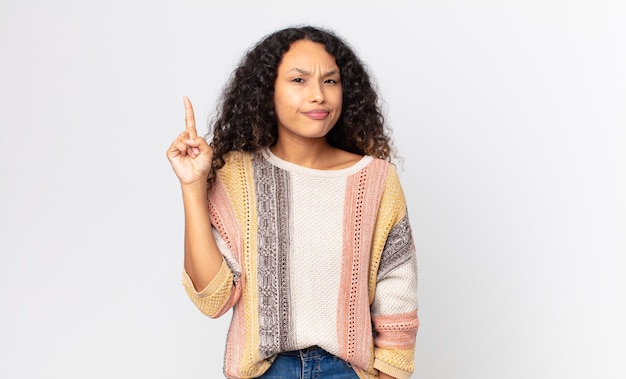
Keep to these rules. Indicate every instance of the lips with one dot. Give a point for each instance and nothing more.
(317, 114)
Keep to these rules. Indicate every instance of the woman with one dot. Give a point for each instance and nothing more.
(295, 218)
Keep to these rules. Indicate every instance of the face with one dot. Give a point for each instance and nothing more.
(307, 92)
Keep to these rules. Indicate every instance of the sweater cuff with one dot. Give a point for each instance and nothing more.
(223, 275)
(385, 367)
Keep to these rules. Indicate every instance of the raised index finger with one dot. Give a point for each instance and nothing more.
(190, 119)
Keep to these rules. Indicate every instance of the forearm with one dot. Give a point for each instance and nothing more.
(382, 375)
(202, 256)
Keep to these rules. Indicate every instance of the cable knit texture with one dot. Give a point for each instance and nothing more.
(312, 257)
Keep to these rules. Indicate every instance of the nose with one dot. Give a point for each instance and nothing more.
(316, 94)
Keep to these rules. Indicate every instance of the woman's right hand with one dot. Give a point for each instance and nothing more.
(190, 155)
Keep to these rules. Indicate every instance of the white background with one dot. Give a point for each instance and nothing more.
(510, 117)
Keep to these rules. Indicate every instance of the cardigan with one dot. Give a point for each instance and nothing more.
(312, 257)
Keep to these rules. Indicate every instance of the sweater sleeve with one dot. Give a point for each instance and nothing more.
(394, 307)
(213, 300)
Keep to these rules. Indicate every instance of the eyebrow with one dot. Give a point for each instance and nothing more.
(305, 72)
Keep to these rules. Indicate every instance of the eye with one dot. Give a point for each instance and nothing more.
(298, 80)
(331, 81)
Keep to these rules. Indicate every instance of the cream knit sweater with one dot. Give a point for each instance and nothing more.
(312, 257)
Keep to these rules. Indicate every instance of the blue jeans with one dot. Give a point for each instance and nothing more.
(312, 363)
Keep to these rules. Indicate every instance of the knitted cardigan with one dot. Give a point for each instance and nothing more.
(312, 257)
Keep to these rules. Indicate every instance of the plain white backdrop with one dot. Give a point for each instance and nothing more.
(510, 116)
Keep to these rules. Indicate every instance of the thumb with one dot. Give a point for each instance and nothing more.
(200, 146)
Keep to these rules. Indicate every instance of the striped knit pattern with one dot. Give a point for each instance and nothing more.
(312, 257)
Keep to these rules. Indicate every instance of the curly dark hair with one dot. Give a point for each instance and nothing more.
(246, 120)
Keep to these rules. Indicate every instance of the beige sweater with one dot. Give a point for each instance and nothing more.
(312, 257)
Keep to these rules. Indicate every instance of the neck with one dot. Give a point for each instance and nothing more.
(312, 154)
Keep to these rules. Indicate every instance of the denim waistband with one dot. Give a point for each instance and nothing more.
(309, 352)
